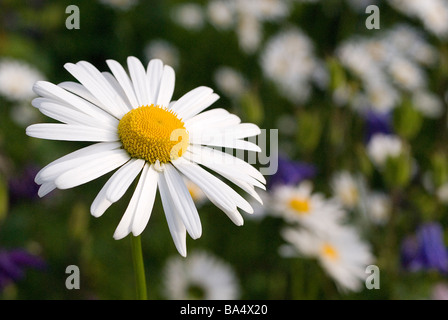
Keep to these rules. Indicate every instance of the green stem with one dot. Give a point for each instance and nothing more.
(139, 268)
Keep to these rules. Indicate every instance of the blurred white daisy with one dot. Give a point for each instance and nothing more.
(386, 65)
(17, 79)
(432, 13)
(189, 16)
(298, 204)
(342, 254)
(442, 193)
(293, 77)
(383, 146)
(138, 129)
(406, 74)
(221, 13)
(428, 103)
(202, 277)
(346, 188)
(378, 207)
(230, 82)
(247, 18)
(163, 50)
(264, 10)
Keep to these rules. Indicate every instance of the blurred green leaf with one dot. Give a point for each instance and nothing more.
(309, 130)
(407, 120)
(252, 107)
(397, 171)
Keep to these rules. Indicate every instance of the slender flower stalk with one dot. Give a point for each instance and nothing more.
(139, 268)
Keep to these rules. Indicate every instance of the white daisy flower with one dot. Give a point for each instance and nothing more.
(221, 13)
(189, 16)
(138, 129)
(428, 103)
(230, 82)
(298, 204)
(342, 254)
(163, 50)
(346, 188)
(378, 207)
(17, 79)
(383, 146)
(293, 77)
(203, 276)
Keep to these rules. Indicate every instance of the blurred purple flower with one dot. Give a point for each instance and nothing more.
(291, 172)
(12, 265)
(377, 122)
(23, 186)
(426, 250)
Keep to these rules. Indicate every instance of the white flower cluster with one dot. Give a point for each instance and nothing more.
(353, 193)
(317, 229)
(17, 79)
(288, 60)
(246, 17)
(432, 13)
(16, 82)
(387, 66)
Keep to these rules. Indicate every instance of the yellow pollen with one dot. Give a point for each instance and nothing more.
(300, 205)
(153, 133)
(330, 252)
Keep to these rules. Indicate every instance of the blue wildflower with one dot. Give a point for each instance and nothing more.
(377, 122)
(13, 263)
(426, 250)
(291, 172)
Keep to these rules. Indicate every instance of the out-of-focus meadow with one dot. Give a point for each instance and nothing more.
(362, 132)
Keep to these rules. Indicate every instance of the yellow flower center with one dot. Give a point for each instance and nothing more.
(329, 252)
(153, 133)
(300, 205)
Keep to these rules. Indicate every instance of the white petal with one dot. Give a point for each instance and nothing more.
(123, 178)
(46, 188)
(212, 118)
(68, 132)
(208, 139)
(119, 90)
(96, 86)
(182, 201)
(154, 74)
(199, 106)
(175, 224)
(125, 225)
(166, 87)
(236, 176)
(146, 202)
(216, 191)
(139, 81)
(91, 170)
(49, 173)
(111, 98)
(69, 115)
(123, 79)
(100, 204)
(80, 90)
(227, 162)
(240, 131)
(52, 91)
(190, 99)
